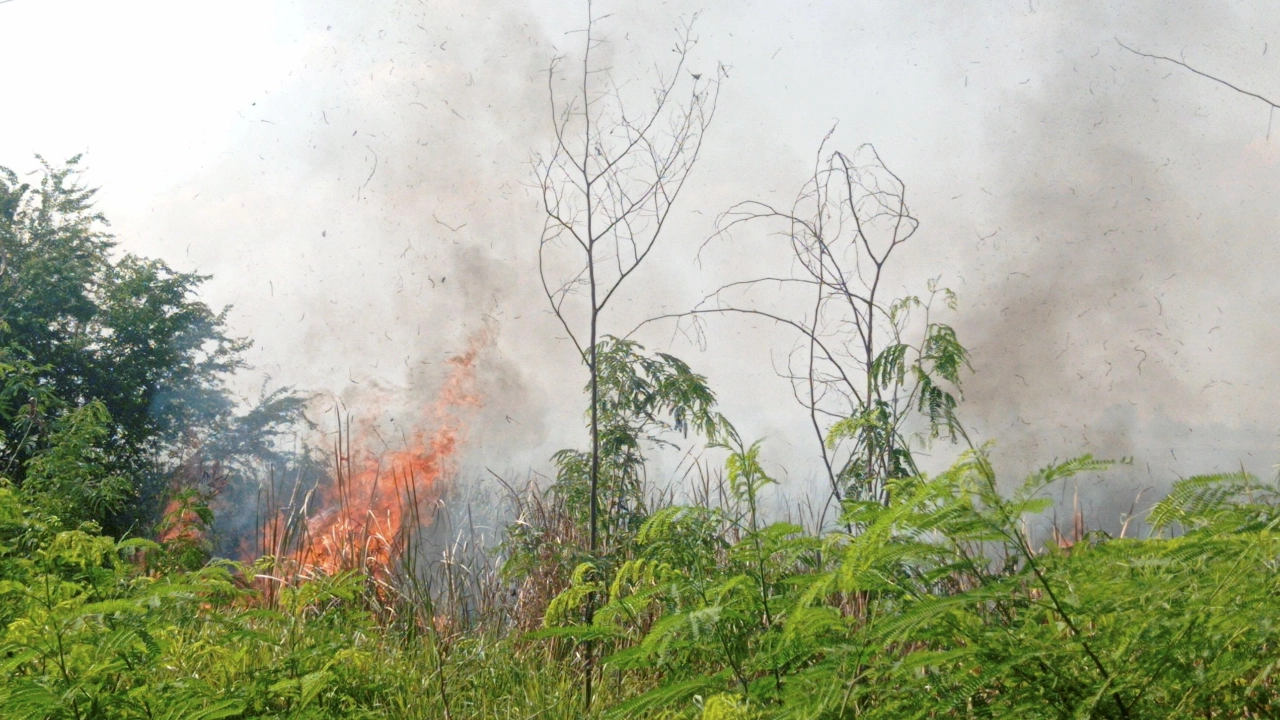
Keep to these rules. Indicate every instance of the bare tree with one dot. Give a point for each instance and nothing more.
(608, 187)
(852, 367)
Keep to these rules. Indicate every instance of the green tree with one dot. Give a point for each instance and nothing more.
(111, 370)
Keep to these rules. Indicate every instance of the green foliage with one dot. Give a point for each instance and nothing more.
(566, 607)
(905, 384)
(26, 404)
(643, 399)
(72, 478)
(111, 371)
(184, 532)
(937, 606)
(94, 628)
(1229, 502)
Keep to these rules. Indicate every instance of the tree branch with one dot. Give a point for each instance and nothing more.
(1201, 73)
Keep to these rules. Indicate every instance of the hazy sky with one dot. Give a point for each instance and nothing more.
(356, 176)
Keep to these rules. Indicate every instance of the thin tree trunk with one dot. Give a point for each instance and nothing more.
(591, 365)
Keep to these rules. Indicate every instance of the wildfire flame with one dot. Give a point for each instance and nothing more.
(367, 513)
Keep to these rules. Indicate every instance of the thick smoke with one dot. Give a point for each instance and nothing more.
(1121, 306)
(366, 221)
(1107, 220)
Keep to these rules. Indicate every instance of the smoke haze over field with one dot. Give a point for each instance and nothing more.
(356, 178)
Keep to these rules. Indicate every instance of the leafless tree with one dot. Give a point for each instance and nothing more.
(852, 366)
(608, 186)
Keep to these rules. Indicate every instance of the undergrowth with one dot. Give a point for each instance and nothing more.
(936, 605)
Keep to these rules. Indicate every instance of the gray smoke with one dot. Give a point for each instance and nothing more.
(1106, 220)
(1123, 303)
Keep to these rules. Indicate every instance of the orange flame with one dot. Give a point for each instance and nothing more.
(361, 521)
(179, 522)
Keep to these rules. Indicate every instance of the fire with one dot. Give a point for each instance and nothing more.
(363, 519)
(194, 484)
(180, 522)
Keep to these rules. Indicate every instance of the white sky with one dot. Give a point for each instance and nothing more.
(1134, 204)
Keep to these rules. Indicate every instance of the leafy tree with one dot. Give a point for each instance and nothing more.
(644, 401)
(112, 372)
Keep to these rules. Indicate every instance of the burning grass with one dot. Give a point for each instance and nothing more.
(367, 514)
